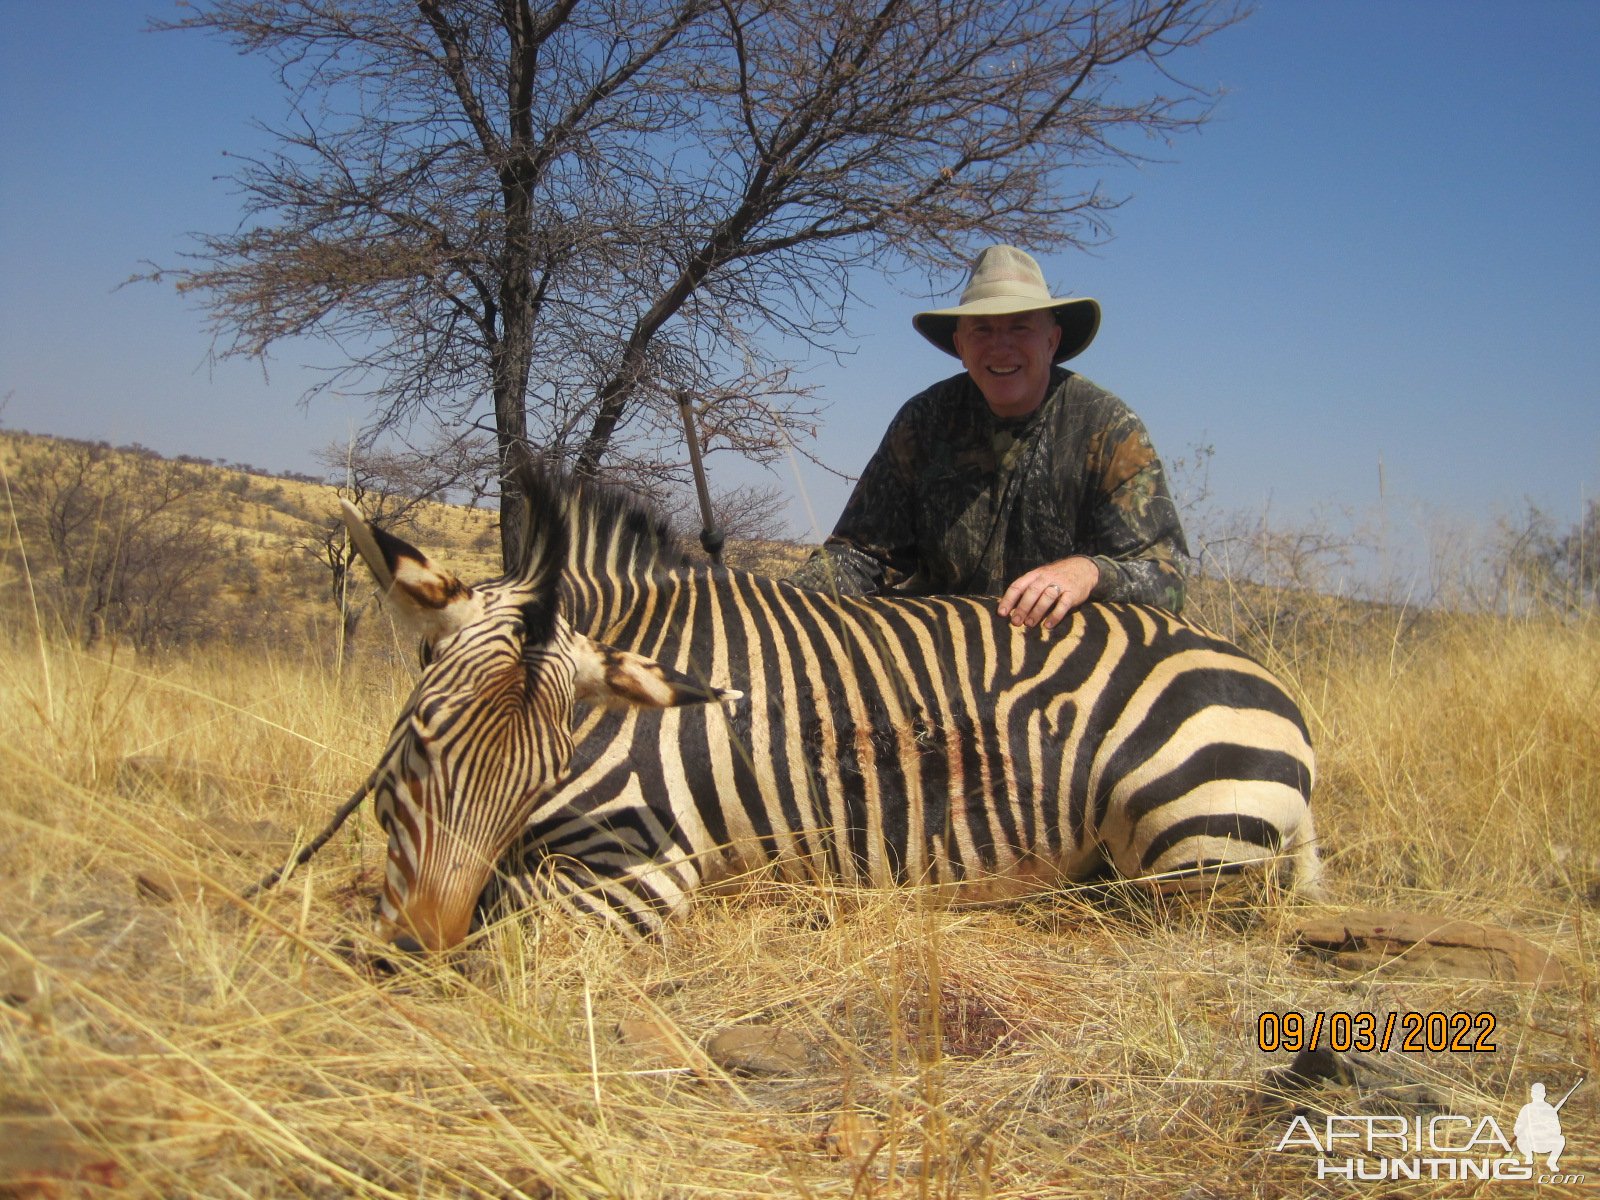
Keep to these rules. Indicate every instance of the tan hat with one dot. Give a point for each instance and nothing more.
(1007, 280)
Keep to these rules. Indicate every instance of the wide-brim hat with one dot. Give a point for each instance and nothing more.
(1007, 280)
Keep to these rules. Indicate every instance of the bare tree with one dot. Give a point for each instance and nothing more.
(1310, 557)
(392, 486)
(123, 540)
(1578, 557)
(578, 207)
(1535, 566)
(745, 512)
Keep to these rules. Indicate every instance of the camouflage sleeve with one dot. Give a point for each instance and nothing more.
(1137, 534)
(873, 545)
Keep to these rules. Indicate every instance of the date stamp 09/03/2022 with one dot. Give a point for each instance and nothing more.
(1365, 1032)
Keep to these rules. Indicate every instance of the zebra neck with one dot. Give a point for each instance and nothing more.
(618, 608)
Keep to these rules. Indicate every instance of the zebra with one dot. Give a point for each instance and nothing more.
(609, 727)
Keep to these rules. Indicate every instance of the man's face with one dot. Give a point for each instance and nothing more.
(1009, 357)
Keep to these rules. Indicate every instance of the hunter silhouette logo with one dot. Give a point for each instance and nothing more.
(1538, 1127)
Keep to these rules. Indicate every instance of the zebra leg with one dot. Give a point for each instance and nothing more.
(636, 901)
(1305, 863)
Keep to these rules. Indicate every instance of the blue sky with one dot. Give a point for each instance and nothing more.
(1385, 247)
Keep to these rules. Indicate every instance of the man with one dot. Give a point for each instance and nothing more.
(1017, 478)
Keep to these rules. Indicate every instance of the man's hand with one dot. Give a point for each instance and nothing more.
(1048, 593)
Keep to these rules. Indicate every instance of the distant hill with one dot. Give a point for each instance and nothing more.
(271, 579)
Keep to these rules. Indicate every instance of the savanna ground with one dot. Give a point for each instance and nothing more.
(162, 1036)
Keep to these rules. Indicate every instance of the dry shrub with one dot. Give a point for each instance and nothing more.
(209, 1046)
(122, 542)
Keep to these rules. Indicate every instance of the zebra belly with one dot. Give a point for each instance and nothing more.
(875, 807)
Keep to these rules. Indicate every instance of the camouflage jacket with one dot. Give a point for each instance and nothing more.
(957, 500)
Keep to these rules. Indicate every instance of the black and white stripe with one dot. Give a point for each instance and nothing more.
(878, 741)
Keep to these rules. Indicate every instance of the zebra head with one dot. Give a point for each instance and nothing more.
(488, 728)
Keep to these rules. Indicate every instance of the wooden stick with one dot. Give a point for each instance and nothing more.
(710, 536)
(316, 843)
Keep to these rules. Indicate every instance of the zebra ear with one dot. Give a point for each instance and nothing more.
(622, 679)
(431, 601)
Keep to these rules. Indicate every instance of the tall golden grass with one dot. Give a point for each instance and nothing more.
(162, 1037)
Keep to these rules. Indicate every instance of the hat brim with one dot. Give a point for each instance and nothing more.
(1079, 320)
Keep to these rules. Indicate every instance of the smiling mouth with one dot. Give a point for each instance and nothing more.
(1003, 370)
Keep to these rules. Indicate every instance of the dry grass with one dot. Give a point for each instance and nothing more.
(202, 1045)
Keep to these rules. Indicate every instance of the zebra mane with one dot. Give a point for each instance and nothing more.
(608, 529)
